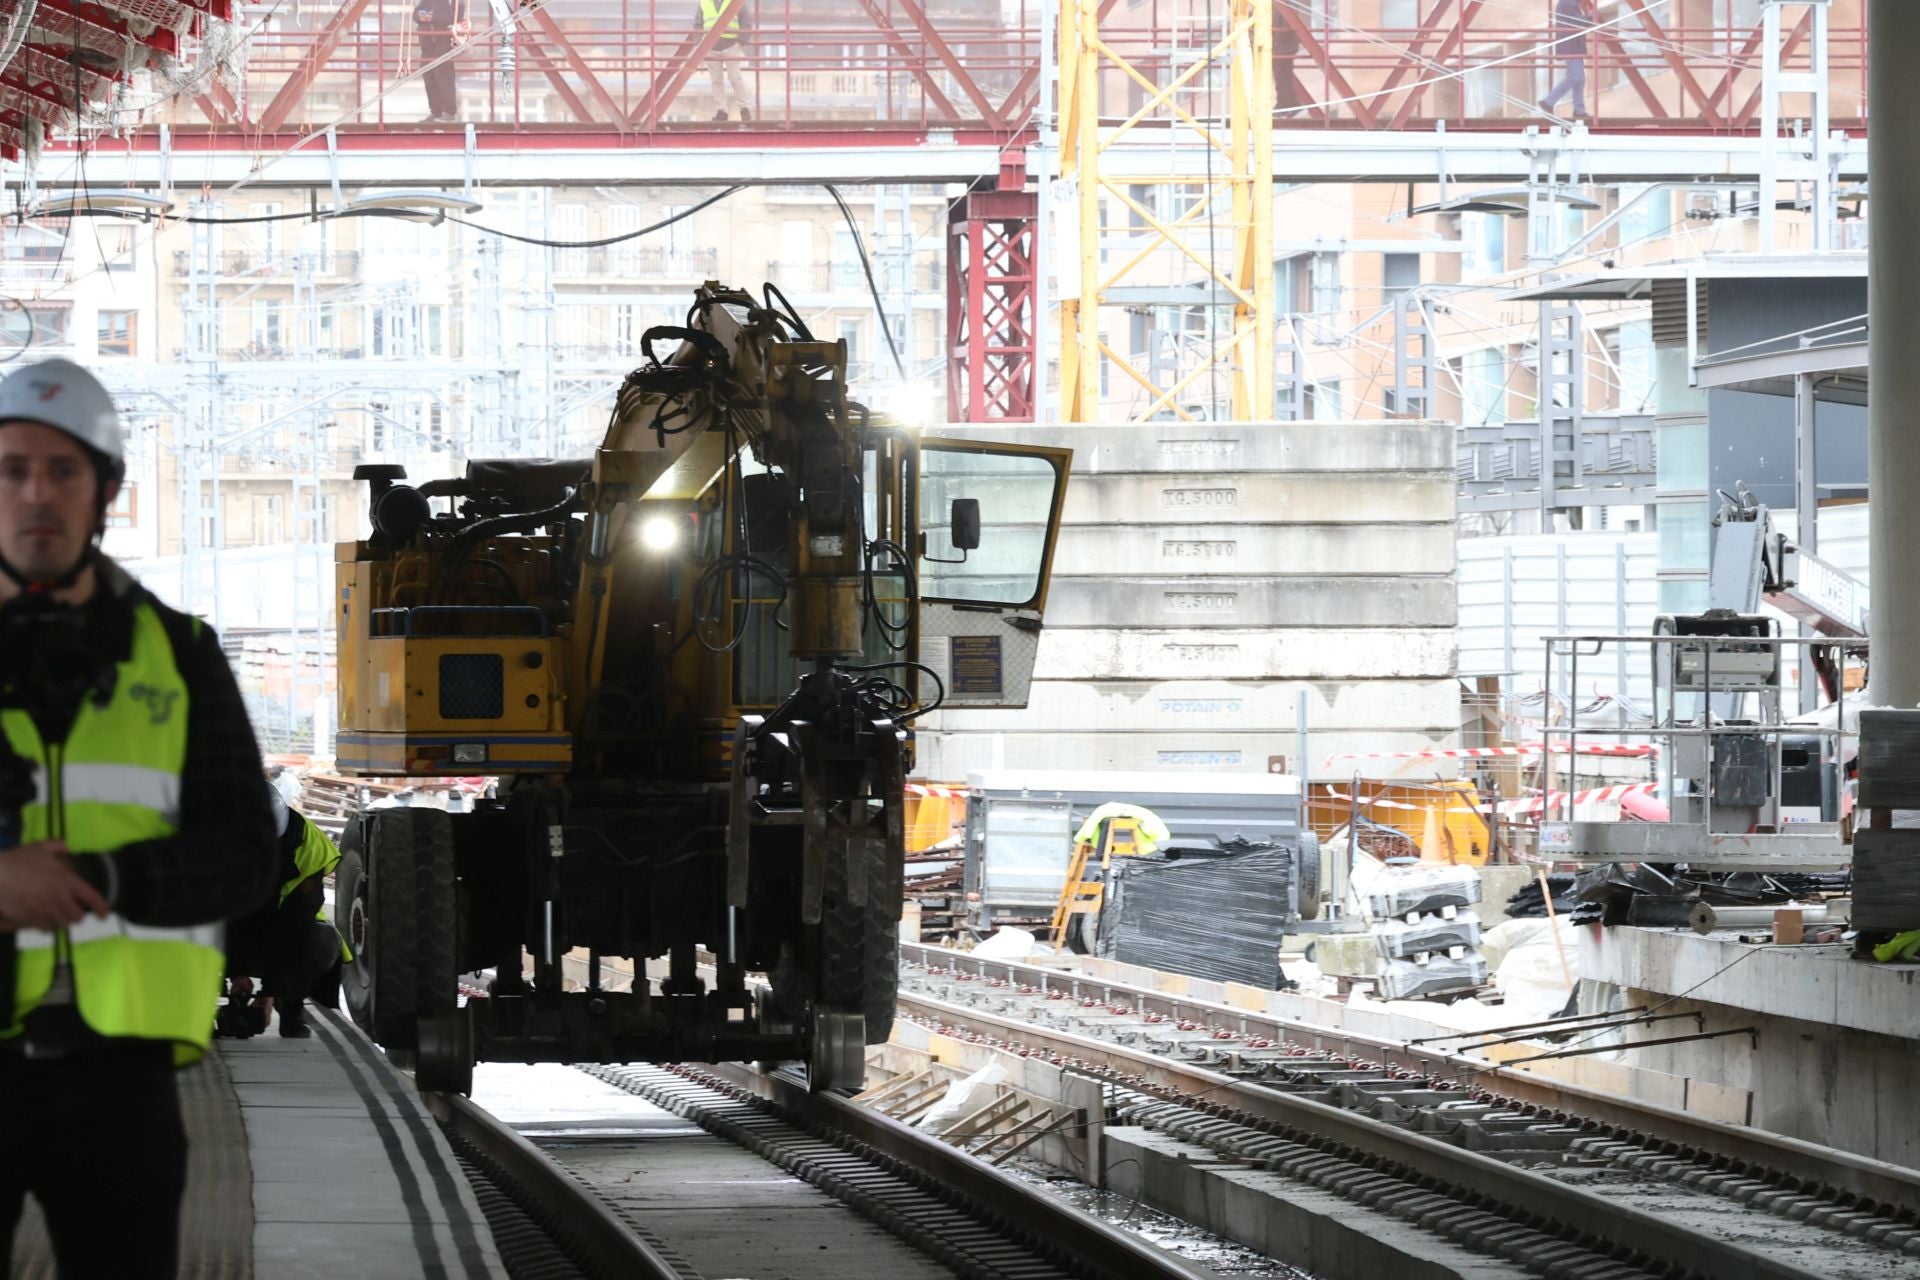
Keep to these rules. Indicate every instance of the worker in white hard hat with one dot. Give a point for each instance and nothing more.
(144, 827)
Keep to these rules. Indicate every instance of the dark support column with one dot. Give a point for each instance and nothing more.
(1893, 288)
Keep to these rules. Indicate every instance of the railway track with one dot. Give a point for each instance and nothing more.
(774, 1180)
(1541, 1176)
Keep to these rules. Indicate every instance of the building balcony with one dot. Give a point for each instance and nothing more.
(252, 265)
(629, 263)
(812, 279)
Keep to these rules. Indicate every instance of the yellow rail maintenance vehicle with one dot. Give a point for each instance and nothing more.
(693, 662)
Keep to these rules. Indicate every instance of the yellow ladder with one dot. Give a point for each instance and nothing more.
(1081, 896)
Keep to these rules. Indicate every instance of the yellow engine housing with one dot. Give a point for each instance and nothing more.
(441, 704)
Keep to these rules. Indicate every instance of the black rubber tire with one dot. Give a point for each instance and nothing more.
(1308, 865)
(409, 969)
(375, 894)
(882, 953)
(436, 970)
(859, 956)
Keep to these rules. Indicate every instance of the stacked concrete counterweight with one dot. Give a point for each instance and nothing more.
(1209, 572)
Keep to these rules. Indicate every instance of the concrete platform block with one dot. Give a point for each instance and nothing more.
(1328, 1235)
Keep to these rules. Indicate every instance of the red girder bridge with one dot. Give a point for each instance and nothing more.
(873, 90)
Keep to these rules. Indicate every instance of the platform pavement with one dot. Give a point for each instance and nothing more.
(307, 1159)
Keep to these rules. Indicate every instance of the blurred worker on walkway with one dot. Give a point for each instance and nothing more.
(1572, 20)
(433, 23)
(143, 826)
(286, 941)
(726, 57)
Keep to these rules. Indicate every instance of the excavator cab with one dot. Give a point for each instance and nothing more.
(695, 663)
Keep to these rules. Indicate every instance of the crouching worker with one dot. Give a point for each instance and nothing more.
(287, 942)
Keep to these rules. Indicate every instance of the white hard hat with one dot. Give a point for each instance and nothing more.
(60, 394)
(282, 814)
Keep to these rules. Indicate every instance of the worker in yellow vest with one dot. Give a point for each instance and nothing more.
(286, 940)
(144, 826)
(725, 58)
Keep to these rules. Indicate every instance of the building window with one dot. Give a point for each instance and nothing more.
(1634, 343)
(847, 273)
(1485, 235)
(1648, 215)
(1483, 387)
(1399, 273)
(50, 326)
(627, 328)
(267, 332)
(679, 239)
(45, 246)
(124, 511)
(116, 248)
(1326, 298)
(570, 223)
(116, 330)
(1290, 284)
(269, 520)
(1324, 400)
(850, 334)
(624, 257)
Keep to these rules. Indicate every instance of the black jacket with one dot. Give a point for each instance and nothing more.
(223, 858)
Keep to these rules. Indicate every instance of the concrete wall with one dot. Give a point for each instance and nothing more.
(1833, 1059)
(1208, 572)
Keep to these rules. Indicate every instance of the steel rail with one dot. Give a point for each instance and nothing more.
(1874, 1181)
(1095, 1248)
(581, 1223)
(1574, 1211)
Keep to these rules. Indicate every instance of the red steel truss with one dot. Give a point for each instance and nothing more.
(73, 53)
(991, 305)
(641, 66)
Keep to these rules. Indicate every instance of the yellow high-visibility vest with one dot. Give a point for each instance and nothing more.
(315, 855)
(115, 781)
(710, 11)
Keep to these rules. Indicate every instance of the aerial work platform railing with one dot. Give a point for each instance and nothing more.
(647, 65)
(1746, 788)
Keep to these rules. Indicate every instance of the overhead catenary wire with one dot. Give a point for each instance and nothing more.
(866, 266)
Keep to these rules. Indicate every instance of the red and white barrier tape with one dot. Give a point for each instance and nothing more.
(1633, 750)
(1529, 804)
(1597, 795)
(935, 789)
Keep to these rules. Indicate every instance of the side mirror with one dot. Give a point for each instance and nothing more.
(965, 523)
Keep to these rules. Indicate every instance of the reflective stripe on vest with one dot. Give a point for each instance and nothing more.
(710, 11)
(115, 781)
(154, 789)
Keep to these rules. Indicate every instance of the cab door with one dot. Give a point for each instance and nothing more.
(982, 604)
